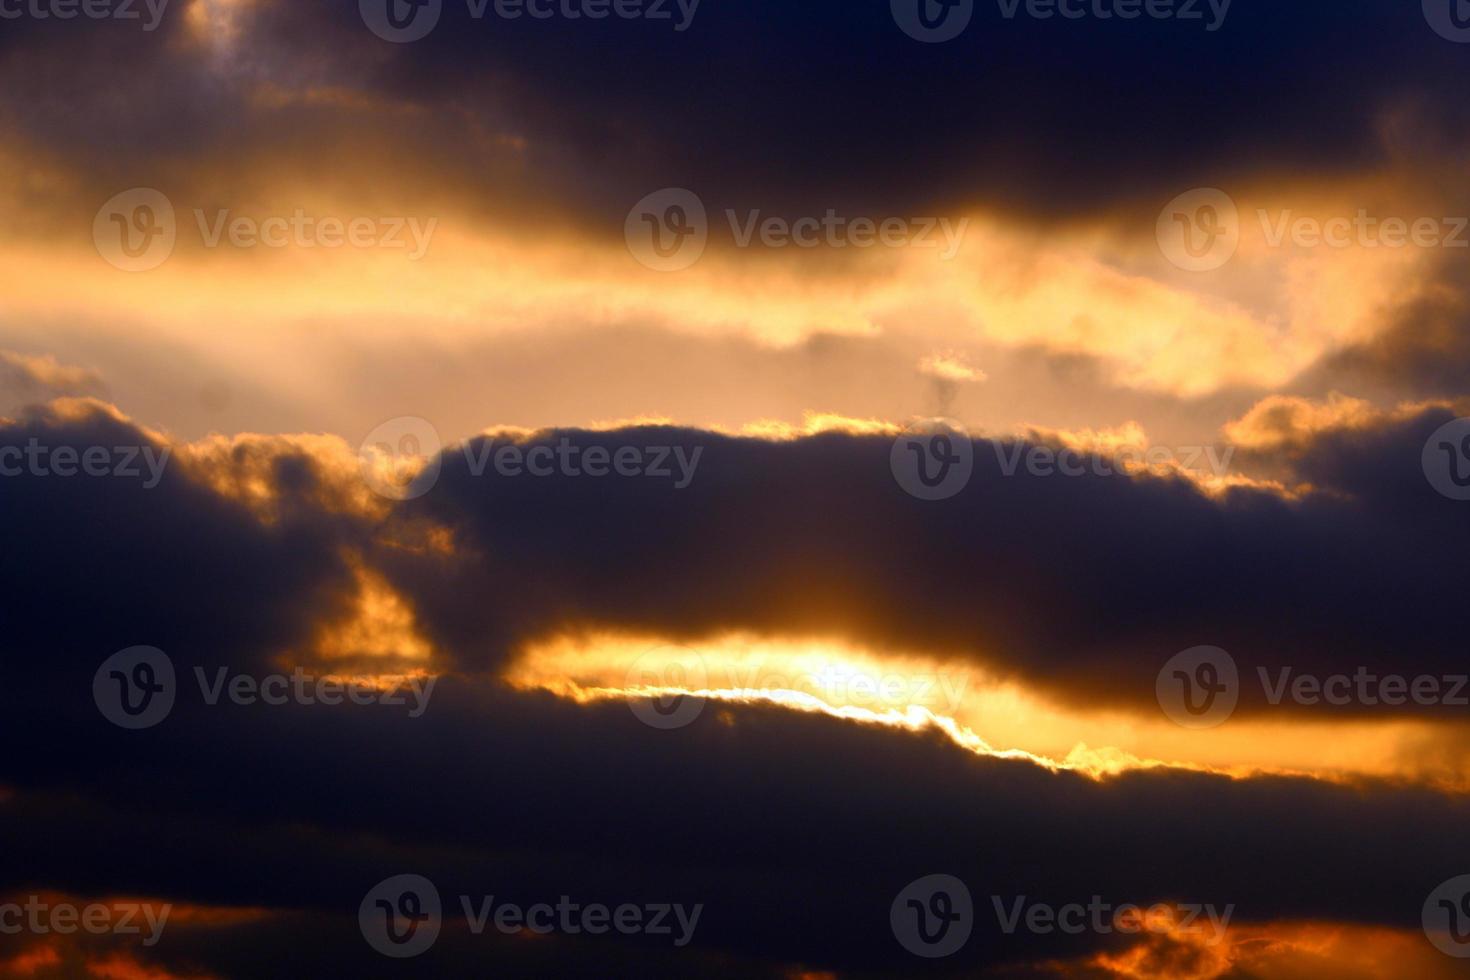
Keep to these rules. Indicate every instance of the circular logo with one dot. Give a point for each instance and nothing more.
(933, 917)
(401, 21)
(933, 459)
(663, 673)
(400, 459)
(668, 230)
(1447, 917)
(1199, 230)
(134, 688)
(401, 916)
(135, 231)
(932, 21)
(1449, 18)
(1199, 688)
(1447, 459)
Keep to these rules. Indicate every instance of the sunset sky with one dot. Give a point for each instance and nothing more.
(757, 456)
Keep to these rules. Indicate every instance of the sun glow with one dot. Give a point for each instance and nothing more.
(975, 709)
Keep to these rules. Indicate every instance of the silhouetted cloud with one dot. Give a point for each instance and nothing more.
(794, 831)
(1081, 586)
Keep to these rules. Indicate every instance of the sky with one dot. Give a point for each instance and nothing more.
(673, 488)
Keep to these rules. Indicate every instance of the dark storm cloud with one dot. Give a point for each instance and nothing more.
(148, 554)
(104, 91)
(1082, 586)
(769, 103)
(794, 831)
(779, 106)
